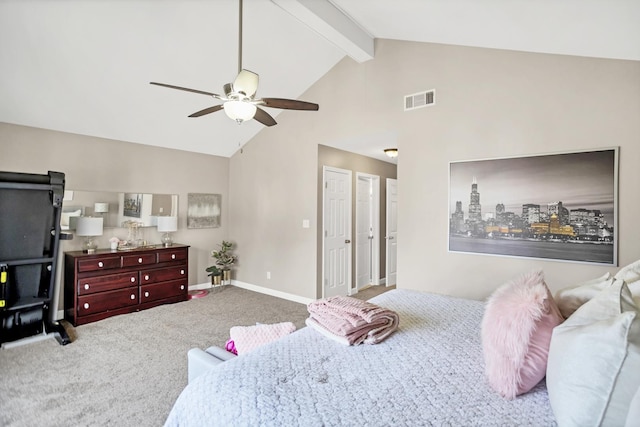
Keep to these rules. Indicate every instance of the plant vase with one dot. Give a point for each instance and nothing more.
(216, 280)
(226, 276)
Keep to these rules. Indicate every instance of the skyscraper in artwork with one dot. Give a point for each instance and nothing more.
(475, 209)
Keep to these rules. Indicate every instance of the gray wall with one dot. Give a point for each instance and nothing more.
(490, 103)
(97, 164)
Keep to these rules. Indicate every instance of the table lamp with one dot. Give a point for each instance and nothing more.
(100, 208)
(167, 225)
(89, 227)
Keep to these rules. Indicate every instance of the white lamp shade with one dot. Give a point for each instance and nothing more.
(89, 226)
(239, 110)
(101, 207)
(167, 224)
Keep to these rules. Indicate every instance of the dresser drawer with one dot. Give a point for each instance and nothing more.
(162, 290)
(96, 264)
(163, 274)
(110, 282)
(141, 259)
(104, 301)
(173, 255)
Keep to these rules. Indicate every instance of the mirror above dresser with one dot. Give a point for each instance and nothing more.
(117, 209)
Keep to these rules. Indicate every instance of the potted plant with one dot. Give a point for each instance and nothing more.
(215, 273)
(224, 259)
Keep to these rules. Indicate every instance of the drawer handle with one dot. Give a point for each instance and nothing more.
(146, 277)
(139, 260)
(181, 271)
(146, 294)
(182, 287)
(86, 305)
(133, 296)
(100, 264)
(173, 256)
(86, 286)
(133, 279)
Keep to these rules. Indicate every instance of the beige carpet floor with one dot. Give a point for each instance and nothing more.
(128, 370)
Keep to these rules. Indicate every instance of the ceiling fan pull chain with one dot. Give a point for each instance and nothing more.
(240, 38)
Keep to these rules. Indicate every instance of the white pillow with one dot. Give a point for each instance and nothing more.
(633, 418)
(629, 273)
(593, 370)
(570, 299)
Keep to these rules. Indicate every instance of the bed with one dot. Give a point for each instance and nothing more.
(429, 372)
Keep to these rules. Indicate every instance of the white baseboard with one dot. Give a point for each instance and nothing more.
(272, 292)
(200, 286)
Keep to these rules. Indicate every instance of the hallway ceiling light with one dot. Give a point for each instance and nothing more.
(391, 152)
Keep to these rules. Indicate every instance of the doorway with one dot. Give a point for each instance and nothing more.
(336, 235)
(367, 239)
(391, 265)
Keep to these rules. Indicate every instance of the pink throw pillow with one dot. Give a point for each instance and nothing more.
(516, 333)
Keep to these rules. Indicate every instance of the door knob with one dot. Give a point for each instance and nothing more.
(347, 241)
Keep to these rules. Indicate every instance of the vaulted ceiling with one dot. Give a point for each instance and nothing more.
(84, 66)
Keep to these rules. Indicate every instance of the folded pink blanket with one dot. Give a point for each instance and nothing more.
(352, 321)
(247, 338)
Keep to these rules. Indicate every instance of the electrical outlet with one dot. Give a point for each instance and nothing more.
(268, 275)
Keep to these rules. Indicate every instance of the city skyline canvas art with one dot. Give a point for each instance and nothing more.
(554, 206)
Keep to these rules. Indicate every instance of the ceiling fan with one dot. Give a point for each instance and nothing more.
(239, 100)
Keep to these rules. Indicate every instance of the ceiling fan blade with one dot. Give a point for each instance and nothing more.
(246, 82)
(264, 117)
(207, 111)
(289, 104)
(215, 95)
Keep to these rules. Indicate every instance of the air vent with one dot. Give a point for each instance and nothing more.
(419, 100)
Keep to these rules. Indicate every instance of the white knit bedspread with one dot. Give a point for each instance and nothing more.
(430, 372)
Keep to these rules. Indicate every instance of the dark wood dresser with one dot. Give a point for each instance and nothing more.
(107, 283)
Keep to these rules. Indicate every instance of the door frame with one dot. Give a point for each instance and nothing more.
(388, 238)
(374, 209)
(349, 227)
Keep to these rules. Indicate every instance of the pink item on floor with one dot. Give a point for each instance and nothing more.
(198, 294)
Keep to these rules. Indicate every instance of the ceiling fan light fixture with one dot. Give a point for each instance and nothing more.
(239, 100)
(391, 152)
(239, 110)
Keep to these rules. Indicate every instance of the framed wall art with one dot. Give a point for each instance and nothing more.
(132, 205)
(203, 210)
(553, 206)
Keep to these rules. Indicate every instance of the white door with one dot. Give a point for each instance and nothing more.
(336, 220)
(392, 231)
(367, 241)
